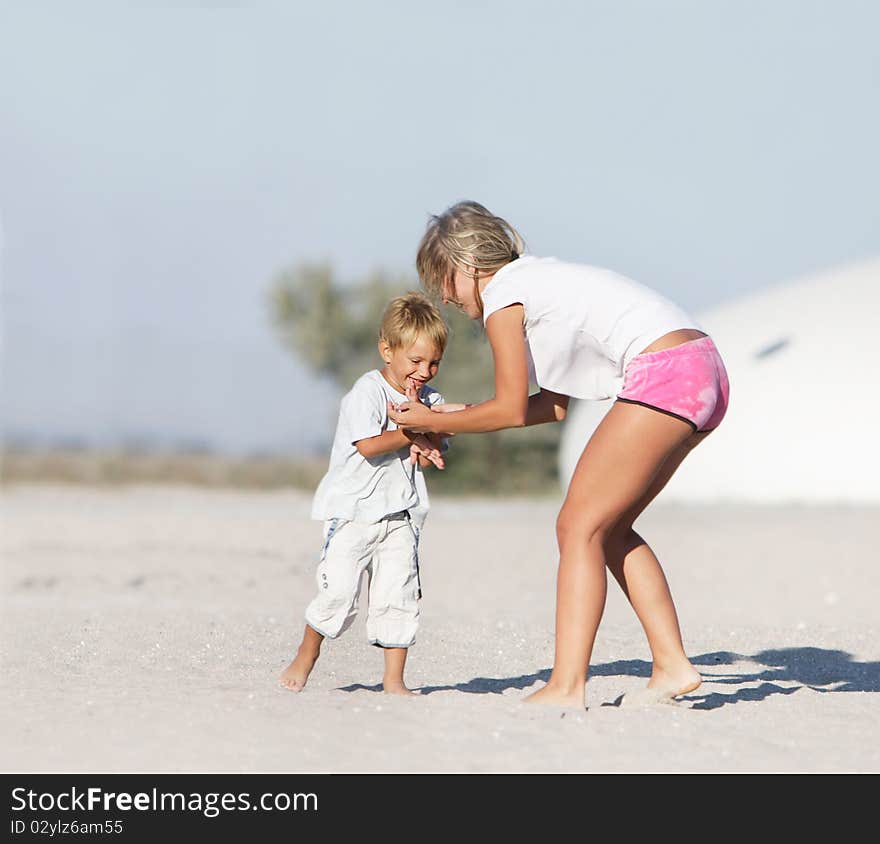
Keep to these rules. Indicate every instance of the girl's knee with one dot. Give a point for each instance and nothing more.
(582, 527)
(622, 534)
(620, 541)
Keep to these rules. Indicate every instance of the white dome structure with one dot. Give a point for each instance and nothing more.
(804, 410)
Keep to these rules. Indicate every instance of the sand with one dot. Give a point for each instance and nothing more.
(143, 630)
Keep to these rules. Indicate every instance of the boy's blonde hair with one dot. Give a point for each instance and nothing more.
(469, 237)
(409, 317)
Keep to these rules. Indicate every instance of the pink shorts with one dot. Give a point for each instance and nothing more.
(688, 381)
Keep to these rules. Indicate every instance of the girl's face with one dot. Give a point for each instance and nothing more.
(459, 291)
(410, 366)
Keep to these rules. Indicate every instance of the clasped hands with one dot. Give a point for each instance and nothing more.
(417, 422)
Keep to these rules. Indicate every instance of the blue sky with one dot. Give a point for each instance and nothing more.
(159, 165)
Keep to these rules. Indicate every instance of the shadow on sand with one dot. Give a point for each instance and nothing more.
(815, 668)
(819, 669)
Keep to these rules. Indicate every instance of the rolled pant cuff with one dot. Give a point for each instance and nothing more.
(323, 633)
(379, 643)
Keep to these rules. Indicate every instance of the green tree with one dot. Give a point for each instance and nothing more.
(334, 329)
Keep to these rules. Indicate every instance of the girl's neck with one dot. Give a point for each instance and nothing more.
(482, 281)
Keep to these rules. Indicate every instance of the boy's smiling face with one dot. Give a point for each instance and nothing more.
(412, 365)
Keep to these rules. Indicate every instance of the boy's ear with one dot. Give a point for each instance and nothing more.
(384, 350)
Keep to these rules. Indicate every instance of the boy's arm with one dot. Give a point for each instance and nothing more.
(425, 462)
(384, 443)
(365, 406)
(389, 441)
(426, 453)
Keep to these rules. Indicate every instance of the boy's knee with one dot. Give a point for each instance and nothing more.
(331, 613)
(399, 633)
(394, 624)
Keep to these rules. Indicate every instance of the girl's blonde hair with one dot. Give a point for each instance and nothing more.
(469, 237)
(409, 317)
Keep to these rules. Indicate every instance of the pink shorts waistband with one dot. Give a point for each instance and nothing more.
(688, 381)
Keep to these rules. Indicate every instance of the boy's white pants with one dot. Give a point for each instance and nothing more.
(389, 551)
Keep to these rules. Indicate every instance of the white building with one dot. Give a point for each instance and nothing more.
(804, 417)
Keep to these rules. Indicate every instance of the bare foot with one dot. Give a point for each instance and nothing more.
(675, 683)
(397, 688)
(392, 675)
(664, 687)
(295, 675)
(551, 696)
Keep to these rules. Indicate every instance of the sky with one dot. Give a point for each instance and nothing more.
(161, 163)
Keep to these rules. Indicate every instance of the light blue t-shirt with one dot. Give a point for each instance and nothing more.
(366, 490)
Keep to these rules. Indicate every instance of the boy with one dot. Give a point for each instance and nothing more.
(373, 499)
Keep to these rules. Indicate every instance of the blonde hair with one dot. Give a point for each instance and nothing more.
(468, 237)
(409, 317)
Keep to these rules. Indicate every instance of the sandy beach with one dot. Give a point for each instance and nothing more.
(144, 628)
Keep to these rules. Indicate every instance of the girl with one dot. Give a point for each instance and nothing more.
(584, 332)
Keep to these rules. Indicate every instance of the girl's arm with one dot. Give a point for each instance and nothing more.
(509, 406)
(546, 407)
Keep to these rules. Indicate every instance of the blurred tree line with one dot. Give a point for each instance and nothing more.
(334, 330)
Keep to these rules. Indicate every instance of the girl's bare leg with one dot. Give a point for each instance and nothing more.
(392, 680)
(296, 674)
(615, 472)
(640, 576)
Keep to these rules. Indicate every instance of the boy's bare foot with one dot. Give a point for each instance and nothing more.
(664, 687)
(551, 696)
(392, 676)
(296, 674)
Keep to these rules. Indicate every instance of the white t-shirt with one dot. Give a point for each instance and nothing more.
(360, 489)
(583, 324)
